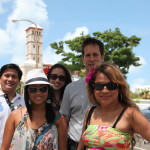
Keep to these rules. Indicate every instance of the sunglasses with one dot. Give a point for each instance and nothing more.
(55, 76)
(41, 89)
(110, 86)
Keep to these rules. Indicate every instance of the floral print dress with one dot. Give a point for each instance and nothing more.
(24, 137)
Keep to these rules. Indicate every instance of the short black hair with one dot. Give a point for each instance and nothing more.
(91, 40)
(11, 66)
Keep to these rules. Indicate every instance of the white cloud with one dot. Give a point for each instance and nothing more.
(135, 70)
(78, 32)
(138, 83)
(30, 9)
(5, 40)
(49, 56)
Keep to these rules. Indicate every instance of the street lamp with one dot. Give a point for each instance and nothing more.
(36, 38)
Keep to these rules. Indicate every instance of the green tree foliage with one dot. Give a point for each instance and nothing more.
(19, 88)
(118, 49)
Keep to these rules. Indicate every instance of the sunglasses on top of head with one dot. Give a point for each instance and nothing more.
(41, 89)
(110, 86)
(60, 77)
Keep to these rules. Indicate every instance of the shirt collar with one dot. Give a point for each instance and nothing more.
(18, 96)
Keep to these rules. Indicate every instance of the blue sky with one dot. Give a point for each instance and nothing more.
(65, 19)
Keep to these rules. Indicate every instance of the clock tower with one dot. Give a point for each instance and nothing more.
(33, 58)
(34, 45)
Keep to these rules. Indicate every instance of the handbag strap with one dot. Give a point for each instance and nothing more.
(10, 104)
(44, 131)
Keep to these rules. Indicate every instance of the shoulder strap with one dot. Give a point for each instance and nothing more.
(89, 116)
(120, 115)
(44, 131)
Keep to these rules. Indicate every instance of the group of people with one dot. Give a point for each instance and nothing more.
(93, 113)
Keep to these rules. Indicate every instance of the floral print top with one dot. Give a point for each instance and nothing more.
(97, 137)
(24, 137)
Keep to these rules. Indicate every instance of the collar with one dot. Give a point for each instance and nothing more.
(18, 96)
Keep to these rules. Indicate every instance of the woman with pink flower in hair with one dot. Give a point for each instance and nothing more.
(115, 118)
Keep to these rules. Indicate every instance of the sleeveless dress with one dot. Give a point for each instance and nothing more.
(97, 137)
(25, 137)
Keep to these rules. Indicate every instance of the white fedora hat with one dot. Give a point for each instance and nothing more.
(36, 76)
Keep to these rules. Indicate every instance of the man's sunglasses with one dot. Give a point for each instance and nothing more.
(55, 76)
(41, 89)
(110, 86)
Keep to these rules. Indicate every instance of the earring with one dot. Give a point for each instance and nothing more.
(29, 102)
(48, 101)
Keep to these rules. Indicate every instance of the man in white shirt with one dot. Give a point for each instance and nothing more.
(10, 76)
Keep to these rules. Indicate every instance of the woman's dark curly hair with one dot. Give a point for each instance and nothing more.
(50, 113)
(115, 75)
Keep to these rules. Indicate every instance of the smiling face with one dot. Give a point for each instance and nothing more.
(38, 93)
(57, 82)
(105, 96)
(9, 80)
(92, 56)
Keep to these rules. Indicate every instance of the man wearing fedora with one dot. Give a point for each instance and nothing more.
(10, 76)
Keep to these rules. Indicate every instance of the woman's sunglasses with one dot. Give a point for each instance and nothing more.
(110, 86)
(41, 89)
(55, 76)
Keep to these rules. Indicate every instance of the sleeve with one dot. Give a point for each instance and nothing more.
(65, 105)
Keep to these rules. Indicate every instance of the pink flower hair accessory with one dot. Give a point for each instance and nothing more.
(89, 76)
